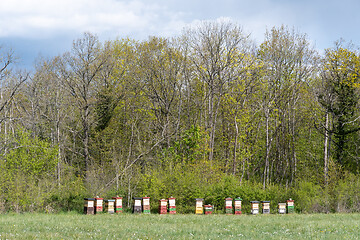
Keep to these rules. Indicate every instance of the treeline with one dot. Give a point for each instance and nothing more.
(207, 114)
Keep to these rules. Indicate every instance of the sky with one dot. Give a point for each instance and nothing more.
(46, 28)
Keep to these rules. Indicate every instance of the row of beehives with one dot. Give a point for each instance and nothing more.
(142, 205)
(114, 205)
(234, 207)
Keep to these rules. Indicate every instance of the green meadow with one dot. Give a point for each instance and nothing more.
(128, 226)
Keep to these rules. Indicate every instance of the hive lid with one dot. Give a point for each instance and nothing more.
(137, 198)
(89, 199)
(254, 201)
(110, 200)
(265, 201)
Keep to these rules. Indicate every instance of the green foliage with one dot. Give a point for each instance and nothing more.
(192, 145)
(341, 76)
(347, 194)
(28, 172)
(30, 156)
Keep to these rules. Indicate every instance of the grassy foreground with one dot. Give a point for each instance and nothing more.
(128, 226)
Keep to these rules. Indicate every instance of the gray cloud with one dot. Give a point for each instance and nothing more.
(43, 18)
(50, 25)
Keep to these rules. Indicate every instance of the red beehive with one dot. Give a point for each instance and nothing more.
(172, 206)
(162, 206)
(228, 206)
(238, 206)
(98, 205)
(290, 206)
(208, 209)
(118, 204)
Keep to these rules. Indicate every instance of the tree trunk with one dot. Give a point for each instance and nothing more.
(266, 168)
(326, 145)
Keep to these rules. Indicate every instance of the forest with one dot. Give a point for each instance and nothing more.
(209, 113)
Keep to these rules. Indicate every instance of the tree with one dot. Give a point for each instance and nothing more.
(10, 84)
(290, 63)
(81, 70)
(218, 51)
(161, 62)
(340, 98)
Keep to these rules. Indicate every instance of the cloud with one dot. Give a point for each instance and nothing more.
(44, 18)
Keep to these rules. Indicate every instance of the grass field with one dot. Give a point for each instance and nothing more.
(128, 226)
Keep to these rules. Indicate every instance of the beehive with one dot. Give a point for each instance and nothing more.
(98, 205)
(265, 207)
(109, 206)
(89, 205)
(172, 206)
(282, 208)
(237, 204)
(228, 206)
(118, 204)
(137, 205)
(162, 206)
(254, 207)
(146, 205)
(208, 209)
(290, 206)
(199, 206)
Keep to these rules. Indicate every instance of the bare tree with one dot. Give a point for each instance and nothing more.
(81, 69)
(218, 51)
(290, 62)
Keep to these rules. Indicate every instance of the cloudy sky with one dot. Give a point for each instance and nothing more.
(46, 28)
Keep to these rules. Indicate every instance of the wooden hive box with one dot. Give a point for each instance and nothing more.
(282, 208)
(98, 205)
(118, 204)
(237, 203)
(228, 206)
(254, 207)
(137, 205)
(146, 205)
(199, 206)
(172, 206)
(265, 207)
(89, 206)
(110, 206)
